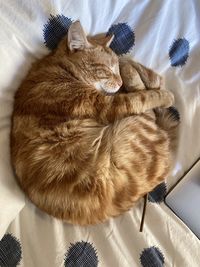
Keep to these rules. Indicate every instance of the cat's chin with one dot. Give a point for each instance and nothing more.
(111, 91)
(99, 87)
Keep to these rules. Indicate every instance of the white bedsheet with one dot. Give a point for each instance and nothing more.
(159, 27)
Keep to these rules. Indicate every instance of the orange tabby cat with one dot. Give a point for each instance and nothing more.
(80, 153)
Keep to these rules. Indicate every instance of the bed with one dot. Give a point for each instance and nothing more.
(163, 35)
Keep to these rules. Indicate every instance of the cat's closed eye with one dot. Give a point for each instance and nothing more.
(102, 73)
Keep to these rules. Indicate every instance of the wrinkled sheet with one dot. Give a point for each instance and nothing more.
(166, 38)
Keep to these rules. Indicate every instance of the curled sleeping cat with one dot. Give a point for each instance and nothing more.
(80, 152)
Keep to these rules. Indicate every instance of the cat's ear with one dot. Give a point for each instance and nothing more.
(77, 39)
(108, 40)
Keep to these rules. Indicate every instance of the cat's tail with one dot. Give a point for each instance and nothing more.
(169, 120)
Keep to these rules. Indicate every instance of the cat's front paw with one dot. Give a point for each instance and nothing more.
(151, 79)
(136, 76)
(131, 78)
(168, 98)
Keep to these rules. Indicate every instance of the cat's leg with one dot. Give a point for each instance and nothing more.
(123, 105)
(131, 78)
(135, 76)
(139, 149)
(169, 120)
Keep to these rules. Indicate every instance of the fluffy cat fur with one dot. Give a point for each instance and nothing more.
(81, 151)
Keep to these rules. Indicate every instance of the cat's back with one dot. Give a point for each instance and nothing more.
(35, 90)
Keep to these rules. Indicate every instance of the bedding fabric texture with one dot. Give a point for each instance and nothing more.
(163, 35)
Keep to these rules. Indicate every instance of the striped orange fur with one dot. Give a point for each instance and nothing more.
(82, 151)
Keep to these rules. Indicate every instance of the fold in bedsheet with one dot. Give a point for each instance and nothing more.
(163, 35)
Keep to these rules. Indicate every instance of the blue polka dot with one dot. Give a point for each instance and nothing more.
(124, 38)
(55, 29)
(10, 251)
(158, 194)
(179, 52)
(152, 257)
(174, 113)
(81, 254)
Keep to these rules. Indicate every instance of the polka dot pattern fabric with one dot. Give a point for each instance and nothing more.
(158, 194)
(10, 251)
(179, 52)
(81, 254)
(124, 38)
(55, 29)
(145, 31)
(152, 257)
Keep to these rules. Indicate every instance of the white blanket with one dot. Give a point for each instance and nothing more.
(163, 35)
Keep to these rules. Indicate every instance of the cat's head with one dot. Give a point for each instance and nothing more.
(97, 63)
